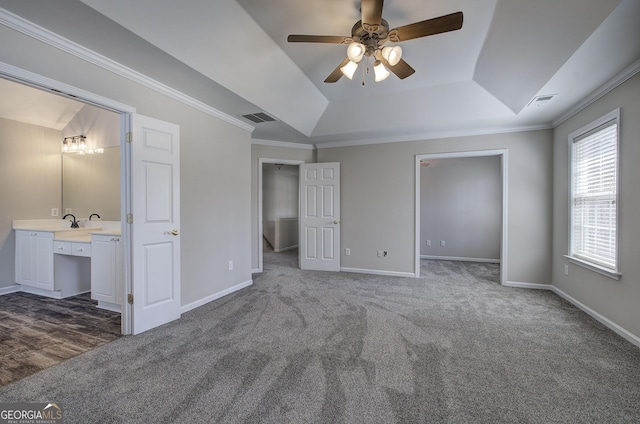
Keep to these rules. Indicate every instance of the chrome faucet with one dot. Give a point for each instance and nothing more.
(94, 214)
(74, 223)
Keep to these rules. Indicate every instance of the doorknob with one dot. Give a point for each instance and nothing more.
(336, 222)
(174, 232)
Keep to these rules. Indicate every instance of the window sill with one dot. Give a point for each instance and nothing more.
(595, 268)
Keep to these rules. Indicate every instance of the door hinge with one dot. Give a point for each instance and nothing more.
(130, 299)
(129, 137)
(129, 218)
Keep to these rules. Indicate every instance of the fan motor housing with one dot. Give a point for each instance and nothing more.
(372, 36)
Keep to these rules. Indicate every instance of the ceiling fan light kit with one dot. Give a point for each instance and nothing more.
(380, 73)
(392, 54)
(349, 69)
(355, 52)
(369, 35)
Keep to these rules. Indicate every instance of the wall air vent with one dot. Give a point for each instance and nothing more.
(541, 100)
(259, 117)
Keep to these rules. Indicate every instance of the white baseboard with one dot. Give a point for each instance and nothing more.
(462, 259)
(211, 298)
(379, 272)
(605, 321)
(41, 292)
(536, 286)
(10, 289)
(256, 271)
(284, 249)
(627, 335)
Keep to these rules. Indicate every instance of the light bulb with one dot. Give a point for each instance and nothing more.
(349, 69)
(379, 71)
(355, 52)
(392, 54)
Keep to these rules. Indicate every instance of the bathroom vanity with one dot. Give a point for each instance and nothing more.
(56, 261)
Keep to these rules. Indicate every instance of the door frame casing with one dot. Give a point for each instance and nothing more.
(261, 162)
(32, 79)
(504, 162)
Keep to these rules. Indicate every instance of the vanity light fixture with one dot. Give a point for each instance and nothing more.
(78, 144)
(66, 144)
(82, 143)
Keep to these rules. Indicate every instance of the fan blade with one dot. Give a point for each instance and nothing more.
(433, 26)
(332, 39)
(337, 73)
(402, 68)
(371, 11)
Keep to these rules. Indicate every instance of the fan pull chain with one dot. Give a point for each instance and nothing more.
(363, 70)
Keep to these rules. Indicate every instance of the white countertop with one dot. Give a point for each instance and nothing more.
(63, 232)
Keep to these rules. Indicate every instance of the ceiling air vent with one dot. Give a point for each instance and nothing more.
(259, 117)
(542, 99)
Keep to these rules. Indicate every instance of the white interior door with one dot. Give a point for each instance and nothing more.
(155, 206)
(320, 216)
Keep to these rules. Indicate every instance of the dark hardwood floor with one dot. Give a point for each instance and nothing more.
(37, 332)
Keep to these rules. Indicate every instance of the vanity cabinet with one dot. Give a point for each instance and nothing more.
(34, 259)
(106, 271)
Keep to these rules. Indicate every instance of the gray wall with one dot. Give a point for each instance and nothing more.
(30, 182)
(279, 191)
(378, 200)
(259, 151)
(618, 301)
(461, 204)
(215, 158)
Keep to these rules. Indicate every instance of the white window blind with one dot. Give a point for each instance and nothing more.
(594, 214)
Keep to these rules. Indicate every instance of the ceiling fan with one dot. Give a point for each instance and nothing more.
(368, 38)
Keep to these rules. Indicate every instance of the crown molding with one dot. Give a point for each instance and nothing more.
(287, 144)
(39, 33)
(432, 136)
(605, 89)
(32, 79)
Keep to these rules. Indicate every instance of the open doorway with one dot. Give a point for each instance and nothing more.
(461, 208)
(45, 185)
(278, 211)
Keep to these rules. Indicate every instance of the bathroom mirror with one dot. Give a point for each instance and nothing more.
(91, 184)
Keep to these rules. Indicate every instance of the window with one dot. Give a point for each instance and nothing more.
(593, 238)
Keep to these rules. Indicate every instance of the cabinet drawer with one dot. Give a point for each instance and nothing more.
(81, 249)
(72, 248)
(62, 247)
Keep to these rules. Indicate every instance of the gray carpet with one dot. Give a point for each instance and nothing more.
(314, 347)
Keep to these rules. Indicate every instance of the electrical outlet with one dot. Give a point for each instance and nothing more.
(67, 210)
(54, 211)
(230, 265)
(347, 251)
(379, 253)
(428, 242)
(566, 269)
(442, 243)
